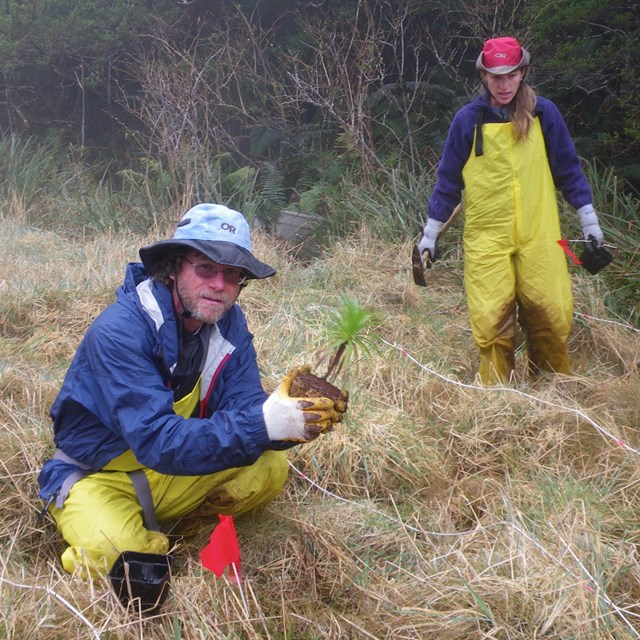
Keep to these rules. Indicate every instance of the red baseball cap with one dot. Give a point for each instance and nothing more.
(502, 55)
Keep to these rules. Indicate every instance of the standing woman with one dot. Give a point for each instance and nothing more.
(509, 150)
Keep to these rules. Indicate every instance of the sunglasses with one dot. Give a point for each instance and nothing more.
(207, 271)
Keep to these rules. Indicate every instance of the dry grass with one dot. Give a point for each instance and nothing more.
(438, 510)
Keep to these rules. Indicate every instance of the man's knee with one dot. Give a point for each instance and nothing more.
(252, 486)
(96, 557)
(101, 518)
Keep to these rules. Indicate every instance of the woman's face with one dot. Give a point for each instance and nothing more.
(503, 88)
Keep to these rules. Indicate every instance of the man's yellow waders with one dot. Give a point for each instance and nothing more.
(102, 517)
(511, 254)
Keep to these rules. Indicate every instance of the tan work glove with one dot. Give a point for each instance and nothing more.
(314, 390)
(297, 419)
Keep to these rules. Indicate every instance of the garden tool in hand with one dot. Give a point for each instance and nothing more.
(423, 259)
(594, 256)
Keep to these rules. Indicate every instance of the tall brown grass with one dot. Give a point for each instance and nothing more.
(439, 509)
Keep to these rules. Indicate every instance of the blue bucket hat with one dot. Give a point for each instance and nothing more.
(218, 232)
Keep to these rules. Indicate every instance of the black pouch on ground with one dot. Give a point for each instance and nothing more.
(594, 258)
(142, 579)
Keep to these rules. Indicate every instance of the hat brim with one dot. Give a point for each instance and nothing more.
(226, 253)
(504, 69)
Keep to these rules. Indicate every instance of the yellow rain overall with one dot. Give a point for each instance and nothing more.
(102, 517)
(511, 256)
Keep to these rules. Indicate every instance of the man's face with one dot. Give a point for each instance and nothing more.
(205, 296)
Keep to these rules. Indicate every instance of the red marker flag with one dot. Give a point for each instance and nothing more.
(223, 550)
(572, 256)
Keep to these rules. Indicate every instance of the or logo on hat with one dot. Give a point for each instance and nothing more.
(214, 222)
(502, 55)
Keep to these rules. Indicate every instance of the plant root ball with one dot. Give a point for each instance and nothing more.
(308, 385)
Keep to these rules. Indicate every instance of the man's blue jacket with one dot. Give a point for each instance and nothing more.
(116, 393)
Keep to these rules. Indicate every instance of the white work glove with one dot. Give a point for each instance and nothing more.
(589, 223)
(297, 419)
(429, 237)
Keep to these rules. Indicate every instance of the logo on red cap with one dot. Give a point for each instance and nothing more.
(500, 54)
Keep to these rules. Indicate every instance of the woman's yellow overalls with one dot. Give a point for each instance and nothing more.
(511, 255)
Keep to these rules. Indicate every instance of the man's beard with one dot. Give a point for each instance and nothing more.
(200, 310)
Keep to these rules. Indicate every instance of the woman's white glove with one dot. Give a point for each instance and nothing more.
(296, 419)
(429, 237)
(589, 223)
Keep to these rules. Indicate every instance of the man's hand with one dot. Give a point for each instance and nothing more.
(590, 226)
(298, 419)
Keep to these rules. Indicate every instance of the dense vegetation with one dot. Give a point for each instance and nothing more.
(297, 93)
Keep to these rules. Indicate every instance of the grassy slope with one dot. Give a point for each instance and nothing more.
(439, 510)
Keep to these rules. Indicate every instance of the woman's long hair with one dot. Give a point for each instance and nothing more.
(521, 111)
